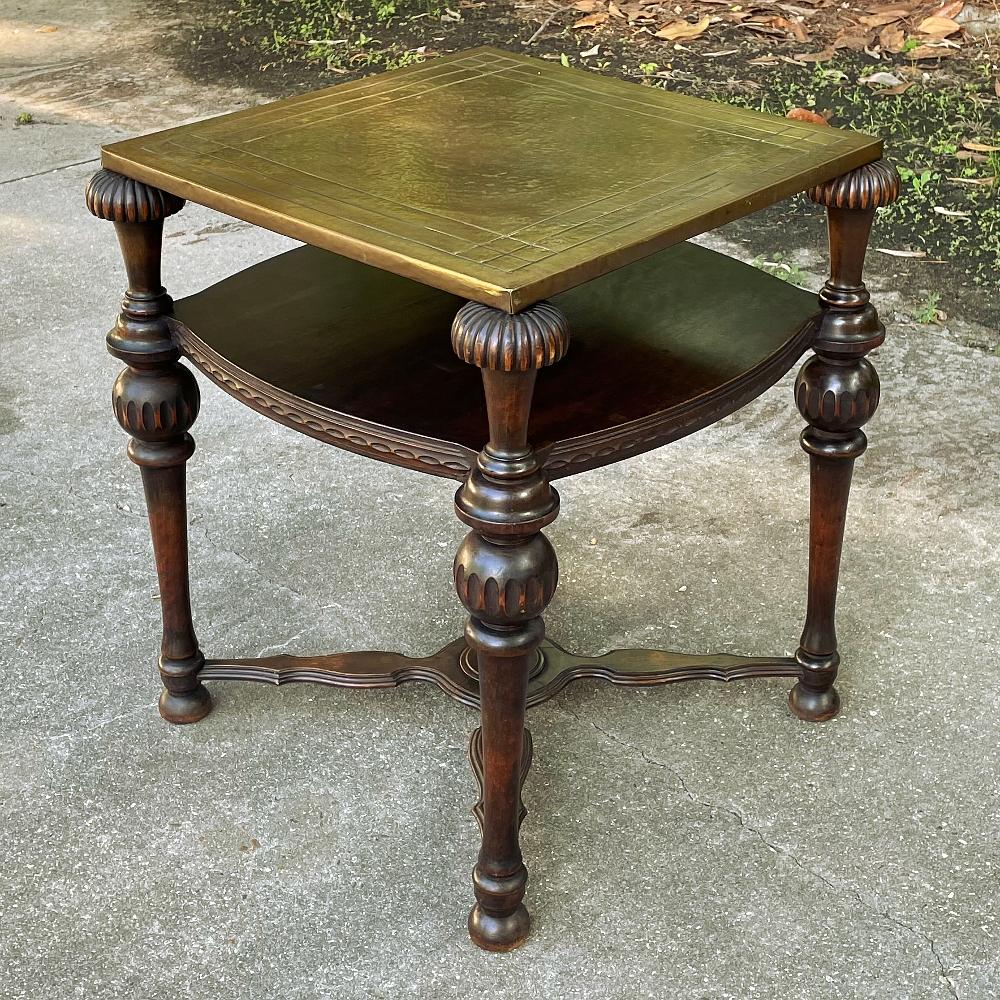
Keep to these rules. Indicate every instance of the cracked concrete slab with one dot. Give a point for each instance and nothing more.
(689, 842)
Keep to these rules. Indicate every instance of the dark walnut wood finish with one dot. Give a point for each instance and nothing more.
(156, 401)
(505, 575)
(357, 356)
(660, 349)
(837, 391)
(453, 669)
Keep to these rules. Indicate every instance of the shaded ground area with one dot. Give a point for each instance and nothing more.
(938, 113)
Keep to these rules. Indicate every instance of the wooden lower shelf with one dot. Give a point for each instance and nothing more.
(361, 358)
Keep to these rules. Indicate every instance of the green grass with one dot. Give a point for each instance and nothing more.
(782, 268)
(927, 311)
(338, 35)
(946, 210)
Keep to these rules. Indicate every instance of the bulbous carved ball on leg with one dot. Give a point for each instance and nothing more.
(157, 407)
(504, 584)
(835, 395)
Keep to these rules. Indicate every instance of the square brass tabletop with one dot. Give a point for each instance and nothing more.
(490, 175)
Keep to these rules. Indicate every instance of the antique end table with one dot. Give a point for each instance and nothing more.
(511, 201)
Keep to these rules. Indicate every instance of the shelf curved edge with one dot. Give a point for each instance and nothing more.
(387, 444)
(361, 359)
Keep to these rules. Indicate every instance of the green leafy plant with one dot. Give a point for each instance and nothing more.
(781, 268)
(927, 311)
(918, 181)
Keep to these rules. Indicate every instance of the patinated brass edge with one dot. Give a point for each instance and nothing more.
(562, 281)
(346, 246)
(513, 299)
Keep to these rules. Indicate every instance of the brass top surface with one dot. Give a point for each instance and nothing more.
(494, 176)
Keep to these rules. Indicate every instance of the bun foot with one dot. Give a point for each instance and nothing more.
(812, 705)
(183, 709)
(493, 933)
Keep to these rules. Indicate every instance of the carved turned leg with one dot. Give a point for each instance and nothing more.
(505, 575)
(837, 392)
(156, 401)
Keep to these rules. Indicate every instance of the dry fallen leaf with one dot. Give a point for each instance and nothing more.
(824, 55)
(949, 214)
(901, 253)
(47, 29)
(899, 10)
(615, 11)
(929, 52)
(892, 38)
(588, 6)
(881, 80)
(980, 147)
(975, 181)
(764, 27)
(952, 9)
(900, 88)
(939, 27)
(886, 17)
(591, 21)
(856, 43)
(676, 31)
(805, 115)
(792, 27)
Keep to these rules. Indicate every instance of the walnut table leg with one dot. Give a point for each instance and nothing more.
(505, 575)
(837, 392)
(156, 401)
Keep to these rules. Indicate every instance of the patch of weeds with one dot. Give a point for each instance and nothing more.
(25, 118)
(917, 182)
(927, 311)
(341, 36)
(782, 268)
(950, 203)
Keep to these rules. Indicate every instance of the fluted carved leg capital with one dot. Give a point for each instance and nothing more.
(505, 575)
(871, 186)
(837, 392)
(156, 400)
